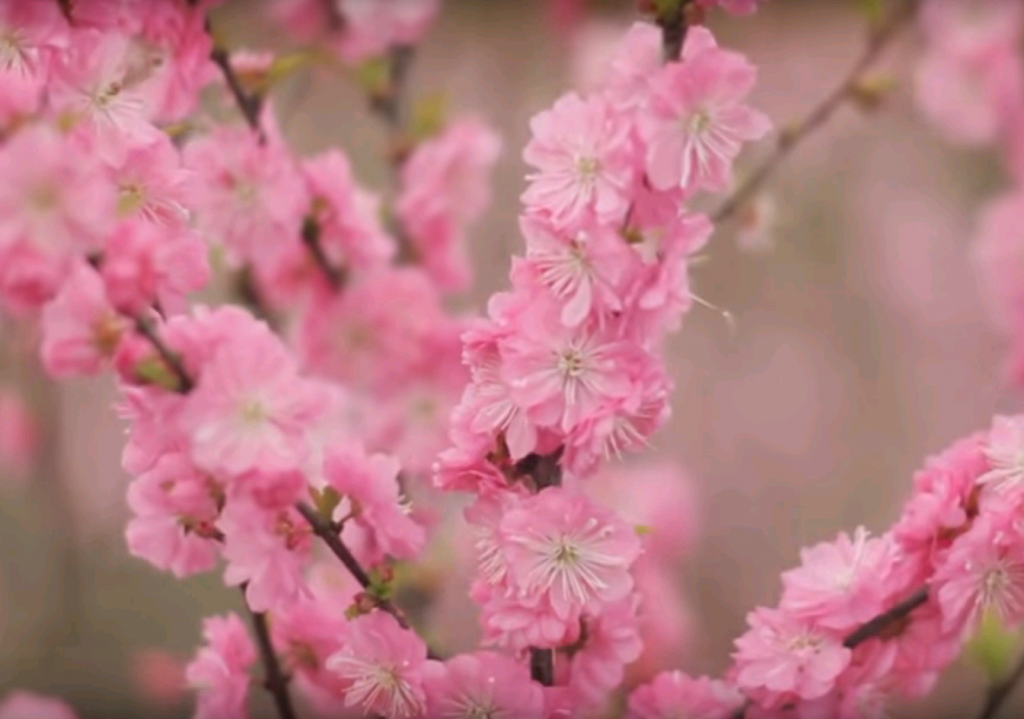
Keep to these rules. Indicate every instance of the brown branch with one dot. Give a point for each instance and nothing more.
(673, 30)
(311, 239)
(888, 620)
(999, 692)
(791, 137)
(275, 680)
(172, 359)
(249, 104)
(542, 666)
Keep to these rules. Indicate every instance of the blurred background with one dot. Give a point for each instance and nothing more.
(861, 346)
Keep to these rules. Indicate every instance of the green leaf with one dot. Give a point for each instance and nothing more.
(428, 116)
(994, 646)
(326, 501)
(154, 371)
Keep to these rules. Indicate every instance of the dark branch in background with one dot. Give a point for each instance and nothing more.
(171, 358)
(672, 22)
(887, 621)
(1000, 691)
(311, 239)
(275, 680)
(791, 137)
(543, 469)
(542, 666)
(249, 104)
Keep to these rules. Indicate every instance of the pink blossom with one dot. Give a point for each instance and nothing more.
(380, 515)
(34, 33)
(583, 155)
(445, 189)
(249, 408)
(562, 546)
(53, 202)
(152, 184)
(612, 642)
(174, 509)
(584, 271)
(561, 375)
(784, 657)
(248, 196)
(383, 666)
(81, 330)
(694, 122)
(29, 705)
(309, 631)
(266, 550)
(966, 26)
(841, 584)
(984, 571)
(481, 684)
(631, 69)
(372, 27)
(672, 693)
(220, 670)
(159, 676)
(1005, 453)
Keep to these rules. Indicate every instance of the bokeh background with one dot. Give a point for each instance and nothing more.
(860, 346)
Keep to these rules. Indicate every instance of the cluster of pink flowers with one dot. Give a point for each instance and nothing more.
(954, 557)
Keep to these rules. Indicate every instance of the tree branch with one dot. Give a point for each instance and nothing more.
(887, 620)
(311, 239)
(999, 692)
(791, 137)
(249, 104)
(171, 358)
(542, 666)
(672, 22)
(275, 680)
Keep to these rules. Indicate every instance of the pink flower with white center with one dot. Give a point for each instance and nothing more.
(373, 26)
(250, 408)
(841, 584)
(984, 571)
(481, 684)
(248, 197)
(694, 122)
(583, 154)
(174, 509)
(560, 375)
(152, 184)
(379, 514)
(383, 665)
(29, 705)
(673, 694)
(1005, 453)
(220, 670)
(561, 546)
(54, 203)
(267, 551)
(782, 656)
(583, 270)
(99, 85)
(32, 34)
(81, 330)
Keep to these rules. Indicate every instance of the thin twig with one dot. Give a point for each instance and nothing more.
(673, 31)
(887, 620)
(311, 239)
(172, 359)
(275, 680)
(791, 137)
(249, 104)
(999, 692)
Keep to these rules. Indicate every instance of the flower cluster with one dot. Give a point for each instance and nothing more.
(954, 558)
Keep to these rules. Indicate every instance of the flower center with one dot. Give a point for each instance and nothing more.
(699, 122)
(252, 412)
(570, 363)
(587, 167)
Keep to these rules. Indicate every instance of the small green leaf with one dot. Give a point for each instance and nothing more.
(994, 646)
(326, 501)
(154, 371)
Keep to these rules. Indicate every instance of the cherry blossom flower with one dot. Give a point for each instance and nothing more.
(673, 692)
(583, 154)
(1005, 453)
(481, 684)
(29, 705)
(383, 665)
(220, 670)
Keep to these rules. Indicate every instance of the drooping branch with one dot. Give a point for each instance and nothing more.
(275, 680)
(172, 359)
(311, 239)
(249, 104)
(790, 137)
